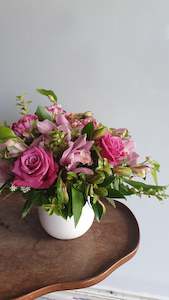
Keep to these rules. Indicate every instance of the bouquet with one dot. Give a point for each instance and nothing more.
(60, 160)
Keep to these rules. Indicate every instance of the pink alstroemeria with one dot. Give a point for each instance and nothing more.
(45, 126)
(55, 109)
(63, 125)
(86, 171)
(130, 149)
(14, 147)
(78, 152)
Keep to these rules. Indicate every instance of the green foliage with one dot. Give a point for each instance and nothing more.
(99, 209)
(104, 166)
(98, 133)
(58, 142)
(97, 178)
(49, 93)
(112, 193)
(43, 114)
(108, 180)
(27, 207)
(34, 197)
(141, 188)
(100, 191)
(23, 105)
(77, 204)
(6, 133)
(88, 130)
(61, 193)
(155, 168)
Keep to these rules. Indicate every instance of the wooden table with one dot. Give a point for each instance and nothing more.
(33, 264)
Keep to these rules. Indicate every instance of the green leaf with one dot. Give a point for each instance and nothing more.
(77, 204)
(38, 197)
(27, 207)
(126, 190)
(145, 187)
(107, 181)
(43, 114)
(49, 93)
(112, 193)
(99, 210)
(6, 133)
(89, 130)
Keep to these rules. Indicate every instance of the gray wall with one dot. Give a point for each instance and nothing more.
(111, 57)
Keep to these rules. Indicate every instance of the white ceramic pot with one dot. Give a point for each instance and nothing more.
(60, 228)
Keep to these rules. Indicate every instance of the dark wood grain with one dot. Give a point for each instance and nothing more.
(33, 264)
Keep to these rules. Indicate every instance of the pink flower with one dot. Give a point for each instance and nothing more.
(55, 109)
(35, 168)
(63, 125)
(78, 152)
(14, 147)
(4, 171)
(45, 126)
(130, 149)
(24, 126)
(112, 148)
(77, 122)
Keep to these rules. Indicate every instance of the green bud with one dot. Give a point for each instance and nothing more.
(71, 176)
(97, 178)
(123, 171)
(101, 191)
(100, 132)
(88, 114)
(140, 171)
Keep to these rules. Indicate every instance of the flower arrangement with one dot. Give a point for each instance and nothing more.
(61, 160)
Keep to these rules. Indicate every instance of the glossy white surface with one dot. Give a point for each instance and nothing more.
(62, 229)
(112, 57)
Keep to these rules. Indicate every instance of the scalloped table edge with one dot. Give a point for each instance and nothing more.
(82, 283)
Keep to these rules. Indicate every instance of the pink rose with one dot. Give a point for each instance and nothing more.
(24, 126)
(112, 148)
(35, 168)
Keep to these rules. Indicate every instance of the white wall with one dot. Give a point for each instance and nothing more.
(111, 57)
